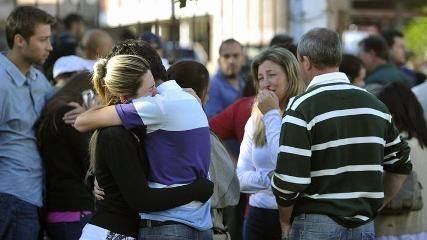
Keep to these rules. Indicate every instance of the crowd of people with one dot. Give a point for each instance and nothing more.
(108, 140)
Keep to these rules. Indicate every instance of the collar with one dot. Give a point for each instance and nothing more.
(335, 77)
(17, 77)
(168, 85)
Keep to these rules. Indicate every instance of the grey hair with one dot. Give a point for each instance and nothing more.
(322, 46)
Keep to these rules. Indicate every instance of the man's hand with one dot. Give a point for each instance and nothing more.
(392, 184)
(98, 191)
(70, 116)
(285, 220)
(267, 100)
(286, 228)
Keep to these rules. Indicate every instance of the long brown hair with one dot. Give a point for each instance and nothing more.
(406, 110)
(70, 92)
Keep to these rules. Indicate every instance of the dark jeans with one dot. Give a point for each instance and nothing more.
(316, 226)
(18, 219)
(234, 217)
(67, 230)
(262, 223)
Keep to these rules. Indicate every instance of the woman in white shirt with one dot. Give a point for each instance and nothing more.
(277, 77)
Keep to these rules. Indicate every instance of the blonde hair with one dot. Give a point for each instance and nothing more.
(113, 78)
(289, 64)
(118, 76)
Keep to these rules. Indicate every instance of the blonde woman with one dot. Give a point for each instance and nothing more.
(277, 76)
(119, 161)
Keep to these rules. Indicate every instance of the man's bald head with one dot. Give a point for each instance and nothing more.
(96, 43)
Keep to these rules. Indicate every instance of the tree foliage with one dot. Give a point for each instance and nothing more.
(415, 35)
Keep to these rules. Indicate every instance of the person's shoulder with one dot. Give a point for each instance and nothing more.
(245, 101)
(380, 71)
(40, 75)
(115, 132)
(2, 70)
(369, 98)
(3, 78)
(389, 70)
(6, 80)
(216, 77)
(112, 131)
(65, 38)
(403, 75)
(55, 115)
(370, 78)
(120, 133)
(241, 105)
(420, 89)
(41, 79)
(250, 124)
(3, 73)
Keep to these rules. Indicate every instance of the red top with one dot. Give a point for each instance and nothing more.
(231, 122)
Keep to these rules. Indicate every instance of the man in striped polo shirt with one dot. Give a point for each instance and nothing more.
(341, 158)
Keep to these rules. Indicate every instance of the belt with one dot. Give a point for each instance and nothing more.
(144, 223)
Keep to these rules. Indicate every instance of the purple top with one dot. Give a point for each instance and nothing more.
(178, 139)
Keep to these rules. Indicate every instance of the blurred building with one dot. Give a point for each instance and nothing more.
(57, 8)
(382, 14)
(208, 22)
(203, 24)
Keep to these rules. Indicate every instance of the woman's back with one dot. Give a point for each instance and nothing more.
(118, 164)
(69, 200)
(66, 159)
(419, 162)
(387, 226)
(408, 116)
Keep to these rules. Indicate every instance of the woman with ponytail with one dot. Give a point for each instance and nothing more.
(119, 161)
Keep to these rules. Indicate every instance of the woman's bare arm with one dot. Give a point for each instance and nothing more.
(97, 117)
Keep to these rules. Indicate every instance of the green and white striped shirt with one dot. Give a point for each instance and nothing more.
(336, 140)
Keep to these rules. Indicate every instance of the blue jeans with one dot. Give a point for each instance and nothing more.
(18, 219)
(173, 232)
(262, 223)
(316, 226)
(67, 230)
